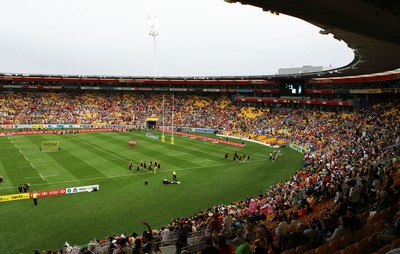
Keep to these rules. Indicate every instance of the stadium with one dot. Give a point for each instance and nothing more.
(304, 162)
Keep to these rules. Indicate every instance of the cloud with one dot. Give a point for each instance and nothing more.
(208, 37)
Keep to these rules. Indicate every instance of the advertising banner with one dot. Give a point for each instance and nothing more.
(152, 135)
(14, 197)
(89, 188)
(49, 193)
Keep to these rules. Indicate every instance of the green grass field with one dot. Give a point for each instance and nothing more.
(123, 202)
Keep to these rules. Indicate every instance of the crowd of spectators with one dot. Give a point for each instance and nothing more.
(350, 160)
(120, 108)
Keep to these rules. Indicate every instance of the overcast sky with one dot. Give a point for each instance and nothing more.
(195, 38)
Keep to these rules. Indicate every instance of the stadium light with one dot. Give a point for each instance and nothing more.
(153, 24)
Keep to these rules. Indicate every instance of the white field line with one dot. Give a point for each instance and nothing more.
(22, 154)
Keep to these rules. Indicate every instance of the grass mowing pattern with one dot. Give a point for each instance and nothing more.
(124, 202)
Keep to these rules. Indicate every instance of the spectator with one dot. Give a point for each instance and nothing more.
(223, 247)
(121, 247)
(181, 242)
(210, 248)
(260, 245)
(313, 235)
(138, 247)
(165, 235)
(391, 233)
(342, 229)
(297, 237)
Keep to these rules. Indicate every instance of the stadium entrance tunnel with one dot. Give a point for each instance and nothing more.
(151, 124)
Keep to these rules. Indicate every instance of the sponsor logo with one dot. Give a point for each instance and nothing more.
(14, 197)
(152, 135)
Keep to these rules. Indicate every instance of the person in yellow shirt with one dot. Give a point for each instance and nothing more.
(34, 197)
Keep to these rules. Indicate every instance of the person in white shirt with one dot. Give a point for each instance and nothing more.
(227, 221)
(165, 236)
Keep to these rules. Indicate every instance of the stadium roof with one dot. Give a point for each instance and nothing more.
(370, 27)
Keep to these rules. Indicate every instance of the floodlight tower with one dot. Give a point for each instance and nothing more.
(153, 24)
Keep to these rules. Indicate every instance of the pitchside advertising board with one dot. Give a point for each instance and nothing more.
(49, 193)
(14, 197)
(88, 188)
